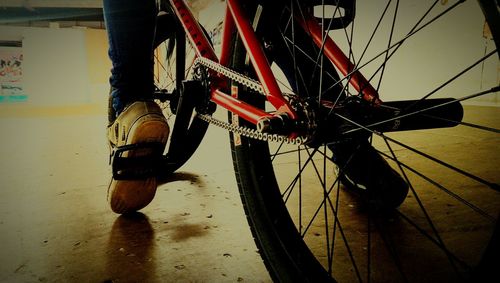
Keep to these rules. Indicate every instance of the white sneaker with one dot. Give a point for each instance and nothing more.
(139, 123)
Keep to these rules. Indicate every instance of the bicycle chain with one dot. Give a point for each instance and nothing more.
(249, 132)
(230, 74)
(249, 83)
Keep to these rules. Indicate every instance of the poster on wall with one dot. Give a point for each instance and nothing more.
(11, 74)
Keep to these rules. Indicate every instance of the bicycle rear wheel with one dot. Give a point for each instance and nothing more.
(181, 91)
(309, 227)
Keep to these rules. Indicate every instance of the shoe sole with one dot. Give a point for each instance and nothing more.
(126, 196)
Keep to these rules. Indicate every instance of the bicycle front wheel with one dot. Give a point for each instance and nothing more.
(309, 226)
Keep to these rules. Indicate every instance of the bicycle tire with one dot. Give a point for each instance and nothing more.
(289, 250)
(168, 35)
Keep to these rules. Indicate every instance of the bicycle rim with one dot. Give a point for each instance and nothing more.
(308, 226)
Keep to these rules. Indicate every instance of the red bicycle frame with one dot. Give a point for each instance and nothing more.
(236, 20)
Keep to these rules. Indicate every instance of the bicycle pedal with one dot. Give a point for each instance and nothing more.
(137, 167)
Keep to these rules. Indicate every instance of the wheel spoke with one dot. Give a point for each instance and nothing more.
(346, 226)
(452, 80)
(424, 211)
(388, 45)
(394, 47)
(490, 185)
(402, 116)
(491, 218)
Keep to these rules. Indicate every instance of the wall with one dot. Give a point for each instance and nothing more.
(426, 60)
(61, 66)
(68, 67)
(430, 57)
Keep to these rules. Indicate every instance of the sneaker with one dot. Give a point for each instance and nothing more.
(141, 122)
(363, 171)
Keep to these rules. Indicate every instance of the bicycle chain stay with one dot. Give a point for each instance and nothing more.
(251, 133)
(253, 85)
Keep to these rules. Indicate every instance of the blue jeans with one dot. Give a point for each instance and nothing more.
(131, 28)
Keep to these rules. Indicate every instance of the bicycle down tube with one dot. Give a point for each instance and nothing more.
(236, 20)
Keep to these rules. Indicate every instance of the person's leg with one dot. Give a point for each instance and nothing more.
(136, 123)
(131, 27)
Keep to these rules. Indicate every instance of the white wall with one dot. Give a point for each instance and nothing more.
(427, 59)
(433, 55)
(69, 66)
(55, 67)
(57, 70)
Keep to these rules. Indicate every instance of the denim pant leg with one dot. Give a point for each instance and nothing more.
(131, 27)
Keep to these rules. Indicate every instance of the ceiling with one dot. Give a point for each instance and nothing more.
(31, 12)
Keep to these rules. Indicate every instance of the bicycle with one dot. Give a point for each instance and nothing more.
(290, 75)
